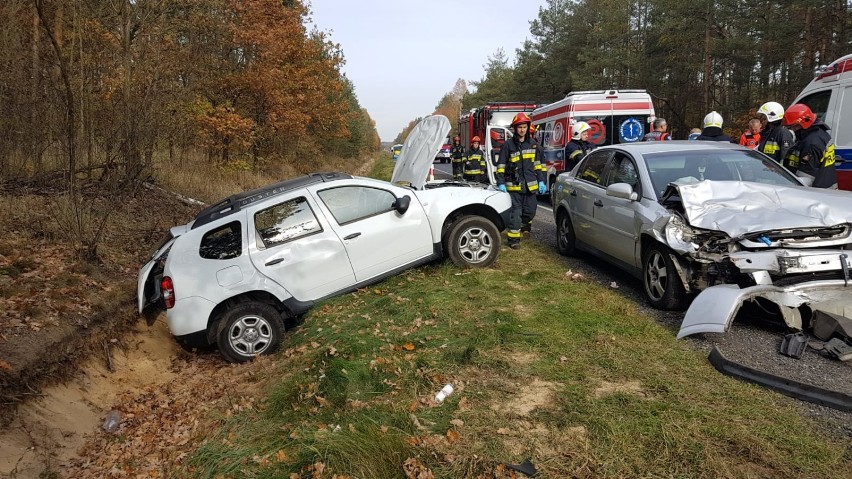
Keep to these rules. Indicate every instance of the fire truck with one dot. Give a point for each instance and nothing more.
(491, 123)
(615, 116)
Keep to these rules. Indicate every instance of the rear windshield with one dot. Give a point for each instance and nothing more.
(719, 165)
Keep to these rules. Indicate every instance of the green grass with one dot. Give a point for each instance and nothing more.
(567, 373)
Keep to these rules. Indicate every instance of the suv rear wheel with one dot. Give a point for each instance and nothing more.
(473, 242)
(248, 330)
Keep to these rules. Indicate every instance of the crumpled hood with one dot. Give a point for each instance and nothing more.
(738, 207)
(419, 151)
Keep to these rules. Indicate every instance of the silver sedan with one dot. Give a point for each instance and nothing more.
(687, 216)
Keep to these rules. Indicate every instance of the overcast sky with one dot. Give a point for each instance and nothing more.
(404, 55)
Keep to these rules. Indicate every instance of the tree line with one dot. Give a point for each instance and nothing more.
(110, 85)
(693, 57)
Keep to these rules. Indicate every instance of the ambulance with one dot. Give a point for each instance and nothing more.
(829, 96)
(615, 116)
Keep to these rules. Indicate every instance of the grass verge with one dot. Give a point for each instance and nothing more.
(566, 373)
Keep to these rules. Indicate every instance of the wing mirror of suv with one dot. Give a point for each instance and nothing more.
(401, 204)
(622, 190)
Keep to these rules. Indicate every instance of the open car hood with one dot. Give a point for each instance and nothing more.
(740, 207)
(419, 151)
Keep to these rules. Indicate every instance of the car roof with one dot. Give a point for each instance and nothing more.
(234, 203)
(646, 147)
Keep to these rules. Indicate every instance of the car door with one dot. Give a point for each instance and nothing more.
(614, 218)
(585, 191)
(293, 245)
(376, 236)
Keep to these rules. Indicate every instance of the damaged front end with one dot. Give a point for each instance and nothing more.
(732, 257)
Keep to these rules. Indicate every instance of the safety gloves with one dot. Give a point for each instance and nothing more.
(542, 187)
(502, 188)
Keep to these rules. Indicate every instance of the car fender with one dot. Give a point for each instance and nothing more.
(443, 203)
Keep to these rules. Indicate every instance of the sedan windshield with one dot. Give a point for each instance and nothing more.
(718, 165)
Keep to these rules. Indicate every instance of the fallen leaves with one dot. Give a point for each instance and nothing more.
(414, 469)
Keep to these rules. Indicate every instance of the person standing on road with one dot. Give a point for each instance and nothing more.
(812, 156)
(579, 146)
(521, 174)
(751, 137)
(775, 140)
(457, 155)
(660, 133)
(713, 129)
(694, 134)
(474, 165)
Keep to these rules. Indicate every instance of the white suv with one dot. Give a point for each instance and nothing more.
(243, 266)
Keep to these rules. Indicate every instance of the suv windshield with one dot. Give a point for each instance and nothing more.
(719, 165)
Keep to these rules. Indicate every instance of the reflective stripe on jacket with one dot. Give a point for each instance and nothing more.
(519, 166)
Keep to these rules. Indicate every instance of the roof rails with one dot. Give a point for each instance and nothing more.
(234, 203)
(610, 91)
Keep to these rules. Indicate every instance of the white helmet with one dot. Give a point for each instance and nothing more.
(713, 119)
(578, 129)
(773, 111)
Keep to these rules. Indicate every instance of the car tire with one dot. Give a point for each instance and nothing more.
(473, 242)
(663, 286)
(566, 242)
(248, 330)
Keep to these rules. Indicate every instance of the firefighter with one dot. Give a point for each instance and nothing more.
(474, 165)
(812, 156)
(579, 146)
(713, 129)
(457, 154)
(660, 132)
(521, 174)
(775, 140)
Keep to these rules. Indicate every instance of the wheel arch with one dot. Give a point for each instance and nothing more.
(485, 211)
(255, 296)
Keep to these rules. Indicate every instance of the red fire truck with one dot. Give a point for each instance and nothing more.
(491, 123)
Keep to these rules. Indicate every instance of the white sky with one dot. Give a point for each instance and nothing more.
(404, 55)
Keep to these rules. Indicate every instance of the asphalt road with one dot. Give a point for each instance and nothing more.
(753, 339)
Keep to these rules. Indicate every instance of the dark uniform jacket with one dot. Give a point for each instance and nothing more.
(813, 156)
(457, 153)
(575, 151)
(775, 141)
(519, 166)
(714, 133)
(474, 164)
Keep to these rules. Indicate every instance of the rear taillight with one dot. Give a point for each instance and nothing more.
(167, 287)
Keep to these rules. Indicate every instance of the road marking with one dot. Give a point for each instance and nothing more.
(546, 208)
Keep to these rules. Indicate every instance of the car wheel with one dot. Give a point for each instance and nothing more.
(565, 239)
(473, 242)
(663, 286)
(248, 330)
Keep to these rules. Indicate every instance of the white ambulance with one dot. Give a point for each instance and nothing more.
(829, 96)
(615, 116)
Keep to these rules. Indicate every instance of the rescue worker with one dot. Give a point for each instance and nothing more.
(457, 155)
(751, 137)
(521, 174)
(660, 132)
(474, 165)
(694, 134)
(812, 156)
(579, 146)
(713, 129)
(775, 140)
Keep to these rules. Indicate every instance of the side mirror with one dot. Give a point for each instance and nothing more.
(622, 190)
(401, 204)
(805, 180)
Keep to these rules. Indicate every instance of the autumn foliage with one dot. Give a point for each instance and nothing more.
(239, 80)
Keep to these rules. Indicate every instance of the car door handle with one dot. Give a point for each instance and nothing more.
(598, 203)
(352, 236)
(274, 261)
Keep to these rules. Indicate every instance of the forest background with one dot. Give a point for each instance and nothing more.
(693, 57)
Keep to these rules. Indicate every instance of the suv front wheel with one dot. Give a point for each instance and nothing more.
(248, 330)
(473, 242)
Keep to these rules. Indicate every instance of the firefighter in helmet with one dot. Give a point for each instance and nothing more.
(474, 164)
(812, 156)
(457, 155)
(521, 173)
(713, 129)
(775, 139)
(579, 146)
